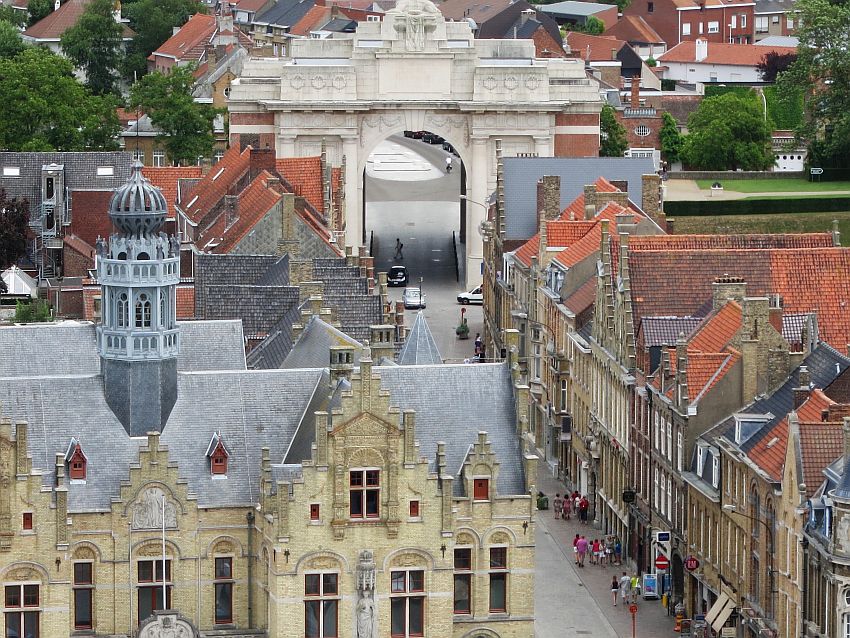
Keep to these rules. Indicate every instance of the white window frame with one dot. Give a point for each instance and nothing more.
(743, 20)
(715, 467)
(158, 158)
(680, 450)
(714, 27)
(700, 28)
(686, 28)
(735, 21)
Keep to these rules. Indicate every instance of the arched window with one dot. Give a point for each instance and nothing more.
(143, 311)
(122, 310)
(162, 318)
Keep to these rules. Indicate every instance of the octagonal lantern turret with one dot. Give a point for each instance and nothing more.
(138, 208)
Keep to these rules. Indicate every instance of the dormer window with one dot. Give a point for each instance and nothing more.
(76, 461)
(218, 456)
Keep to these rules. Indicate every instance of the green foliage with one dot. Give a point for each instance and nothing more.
(39, 9)
(154, 22)
(763, 206)
(12, 16)
(35, 311)
(14, 216)
(651, 62)
(593, 26)
(613, 141)
(671, 139)
(822, 74)
(773, 63)
(728, 132)
(187, 126)
(713, 90)
(668, 85)
(779, 184)
(785, 111)
(11, 43)
(775, 223)
(43, 107)
(95, 45)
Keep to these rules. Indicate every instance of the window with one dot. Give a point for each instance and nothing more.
(83, 595)
(414, 509)
(218, 460)
(774, 19)
(743, 20)
(790, 23)
(686, 28)
(105, 171)
(715, 467)
(642, 130)
(679, 451)
(77, 465)
(734, 24)
(139, 155)
(150, 582)
(223, 591)
(217, 157)
(364, 492)
(463, 580)
(26, 523)
(159, 158)
(481, 489)
(321, 607)
(650, 7)
(845, 624)
(761, 24)
(121, 310)
(314, 511)
(498, 579)
(373, 18)
(713, 27)
(22, 615)
(407, 603)
(11, 171)
(700, 28)
(143, 311)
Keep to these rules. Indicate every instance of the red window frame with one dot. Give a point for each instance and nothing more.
(498, 575)
(223, 582)
(463, 576)
(405, 589)
(84, 594)
(414, 509)
(77, 465)
(21, 608)
(364, 490)
(314, 511)
(26, 520)
(218, 460)
(321, 592)
(481, 489)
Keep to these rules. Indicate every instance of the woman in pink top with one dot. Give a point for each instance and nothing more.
(581, 548)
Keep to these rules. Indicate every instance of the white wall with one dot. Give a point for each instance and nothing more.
(707, 73)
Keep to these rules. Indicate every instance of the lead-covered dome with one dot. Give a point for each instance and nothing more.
(138, 207)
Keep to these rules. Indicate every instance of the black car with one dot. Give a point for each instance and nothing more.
(397, 276)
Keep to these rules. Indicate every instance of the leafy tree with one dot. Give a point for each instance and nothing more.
(671, 139)
(37, 310)
(14, 216)
(613, 134)
(12, 16)
(593, 26)
(821, 73)
(154, 22)
(43, 107)
(11, 43)
(651, 62)
(728, 132)
(94, 45)
(39, 9)
(186, 125)
(773, 63)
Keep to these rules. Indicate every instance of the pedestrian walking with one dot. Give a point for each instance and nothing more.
(609, 550)
(615, 588)
(575, 499)
(618, 551)
(625, 587)
(449, 164)
(635, 589)
(582, 508)
(594, 551)
(479, 345)
(575, 548)
(557, 506)
(398, 248)
(581, 547)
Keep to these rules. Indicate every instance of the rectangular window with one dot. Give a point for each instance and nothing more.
(223, 591)
(365, 493)
(414, 509)
(735, 22)
(498, 579)
(463, 581)
(139, 155)
(650, 7)
(22, 619)
(714, 27)
(743, 20)
(680, 451)
(83, 595)
(321, 609)
(314, 511)
(105, 171)
(150, 581)
(686, 28)
(11, 171)
(481, 489)
(159, 158)
(790, 23)
(407, 604)
(26, 523)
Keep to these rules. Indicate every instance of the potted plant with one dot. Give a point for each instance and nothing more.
(462, 331)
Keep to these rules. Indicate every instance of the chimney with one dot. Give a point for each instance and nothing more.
(613, 54)
(589, 201)
(224, 33)
(635, 96)
(727, 287)
(651, 202)
(209, 49)
(701, 50)
(837, 412)
(804, 387)
(775, 312)
(526, 15)
(262, 159)
(548, 198)
(231, 210)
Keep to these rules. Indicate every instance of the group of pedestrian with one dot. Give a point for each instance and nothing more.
(571, 505)
(626, 587)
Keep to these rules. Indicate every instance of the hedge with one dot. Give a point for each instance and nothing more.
(780, 205)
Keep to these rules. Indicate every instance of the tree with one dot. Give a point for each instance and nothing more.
(14, 217)
(95, 45)
(593, 26)
(154, 22)
(186, 125)
(821, 73)
(12, 16)
(11, 43)
(773, 63)
(39, 9)
(35, 311)
(728, 132)
(671, 139)
(613, 134)
(43, 107)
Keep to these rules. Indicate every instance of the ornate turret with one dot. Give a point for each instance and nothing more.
(138, 338)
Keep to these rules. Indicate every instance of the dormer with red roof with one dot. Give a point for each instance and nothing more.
(76, 461)
(218, 456)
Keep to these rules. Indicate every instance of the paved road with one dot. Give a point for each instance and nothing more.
(422, 214)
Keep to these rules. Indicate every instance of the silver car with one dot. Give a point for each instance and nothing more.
(413, 298)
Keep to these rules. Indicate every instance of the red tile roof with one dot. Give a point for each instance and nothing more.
(591, 242)
(560, 233)
(90, 215)
(679, 282)
(705, 369)
(252, 5)
(583, 298)
(706, 242)
(715, 333)
(305, 175)
(821, 442)
(633, 29)
(78, 245)
(166, 179)
(722, 53)
(54, 24)
(190, 41)
(185, 302)
(200, 201)
(599, 46)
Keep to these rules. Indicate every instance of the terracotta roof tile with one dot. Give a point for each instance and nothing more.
(185, 302)
(821, 442)
(718, 330)
(222, 177)
(54, 24)
(722, 53)
(598, 46)
(305, 175)
(590, 243)
(706, 242)
(633, 29)
(78, 245)
(560, 233)
(252, 5)
(705, 369)
(198, 28)
(583, 298)
(166, 179)
(310, 20)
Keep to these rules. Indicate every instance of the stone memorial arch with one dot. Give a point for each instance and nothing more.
(413, 70)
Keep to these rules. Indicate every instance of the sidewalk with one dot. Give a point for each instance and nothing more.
(652, 620)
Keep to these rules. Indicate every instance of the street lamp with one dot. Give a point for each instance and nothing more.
(729, 507)
(472, 201)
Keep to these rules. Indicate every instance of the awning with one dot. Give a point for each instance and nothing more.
(720, 612)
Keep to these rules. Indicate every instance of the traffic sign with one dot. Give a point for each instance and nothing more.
(661, 562)
(691, 563)
(633, 608)
(816, 171)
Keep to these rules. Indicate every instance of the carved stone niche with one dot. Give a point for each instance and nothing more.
(167, 624)
(146, 512)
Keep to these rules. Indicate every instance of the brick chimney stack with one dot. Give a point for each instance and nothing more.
(635, 96)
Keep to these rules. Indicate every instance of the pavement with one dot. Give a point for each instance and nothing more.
(577, 601)
(688, 190)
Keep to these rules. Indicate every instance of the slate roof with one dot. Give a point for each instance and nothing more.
(661, 331)
(721, 53)
(484, 391)
(419, 347)
(574, 8)
(312, 348)
(211, 345)
(259, 307)
(272, 351)
(222, 270)
(347, 292)
(284, 13)
(523, 173)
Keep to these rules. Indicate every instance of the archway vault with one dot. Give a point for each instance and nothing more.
(415, 71)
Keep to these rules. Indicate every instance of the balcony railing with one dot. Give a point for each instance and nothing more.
(140, 272)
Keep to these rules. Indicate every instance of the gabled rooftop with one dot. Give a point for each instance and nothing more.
(56, 23)
(721, 53)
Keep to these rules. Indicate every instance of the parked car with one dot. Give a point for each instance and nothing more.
(413, 298)
(434, 139)
(448, 147)
(397, 276)
(418, 135)
(409, 134)
(476, 295)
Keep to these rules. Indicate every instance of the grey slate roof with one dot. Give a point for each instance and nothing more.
(221, 270)
(70, 348)
(259, 307)
(312, 349)
(285, 13)
(419, 347)
(471, 398)
(347, 292)
(570, 8)
(522, 174)
(659, 331)
(774, 6)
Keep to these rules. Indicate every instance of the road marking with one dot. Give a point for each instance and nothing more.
(436, 250)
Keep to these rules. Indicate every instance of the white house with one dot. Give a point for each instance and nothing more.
(705, 62)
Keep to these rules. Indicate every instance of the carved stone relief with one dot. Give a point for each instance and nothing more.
(511, 83)
(23, 573)
(489, 83)
(499, 538)
(318, 82)
(465, 539)
(146, 512)
(532, 82)
(84, 553)
(322, 562)
(364, 611)
(408, 560)
(167, 624)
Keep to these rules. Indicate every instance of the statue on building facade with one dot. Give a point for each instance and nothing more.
(365, 610)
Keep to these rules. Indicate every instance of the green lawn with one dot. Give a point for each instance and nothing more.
(774, 185)
(790, 223)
